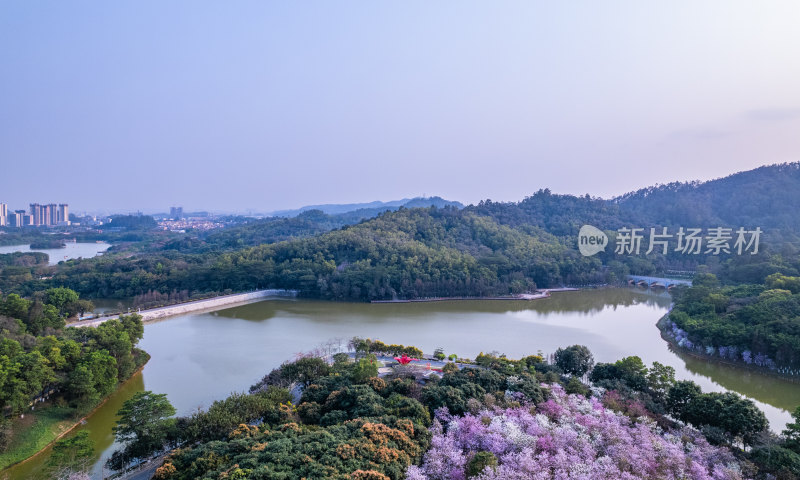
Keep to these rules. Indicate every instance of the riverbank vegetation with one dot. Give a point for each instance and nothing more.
(51, 374)
(752, 324)
(337, 418)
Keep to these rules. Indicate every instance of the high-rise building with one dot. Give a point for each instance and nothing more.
(50, 214)
(36, 213)
(63, 214)
(40, 214)
(176, 213)
(52, 211)
(3, 215)
(18, 218)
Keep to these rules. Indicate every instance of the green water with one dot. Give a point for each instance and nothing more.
(198, 358)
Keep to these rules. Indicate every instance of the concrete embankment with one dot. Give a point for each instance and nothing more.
(196, 306)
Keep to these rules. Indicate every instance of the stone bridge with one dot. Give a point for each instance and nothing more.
(656, 282)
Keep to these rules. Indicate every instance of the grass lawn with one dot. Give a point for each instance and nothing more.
(36, 430)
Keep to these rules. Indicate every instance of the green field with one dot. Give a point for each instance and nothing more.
(35, 431)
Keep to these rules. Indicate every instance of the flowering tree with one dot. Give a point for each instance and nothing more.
(568, 437)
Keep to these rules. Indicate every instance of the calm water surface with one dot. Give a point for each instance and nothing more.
(197, 359)
(72, 250)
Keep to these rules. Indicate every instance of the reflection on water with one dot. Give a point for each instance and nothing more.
(775, 391)
(586, 302)
(199, 358)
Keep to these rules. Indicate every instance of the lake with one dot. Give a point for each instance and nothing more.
(72, 250)
(199, 358)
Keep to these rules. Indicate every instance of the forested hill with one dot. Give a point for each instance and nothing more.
(559, 215)
(768, 197)
(486, 249)
(289, 224)
(408, 253)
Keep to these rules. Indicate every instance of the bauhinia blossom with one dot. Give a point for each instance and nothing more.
(569, 437)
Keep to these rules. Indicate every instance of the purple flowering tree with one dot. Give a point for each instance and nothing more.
(747, 357)
(569, 437)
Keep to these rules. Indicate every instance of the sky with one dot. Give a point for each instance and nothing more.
(258, 105)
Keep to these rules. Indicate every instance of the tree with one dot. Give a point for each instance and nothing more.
(364, 369)
(633, 372)
(737, 416)
(575, 360)
(80, 387)
(60, 297)
(792, 432)
(41, 316)
(444, 396)
(783, 282)
(705, 280)
(144, 426)
(15, 307)
(480, 462)
(577, 387)
(22, 375)
(660, 379)
(743, 418)
(225, 415)
(73, 453)
(141, 415)
(132, 324)
(36, 372)
(50, 347)
(78, 307)
(777, 460)
(449, 368)
(104, 371)
(680, 395)
(306, 370)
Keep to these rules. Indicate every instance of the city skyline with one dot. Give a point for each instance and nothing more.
(38, 215)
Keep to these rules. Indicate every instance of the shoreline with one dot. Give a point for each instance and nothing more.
(539, 294)
(661, 324)
(206, 304)
(77, 423)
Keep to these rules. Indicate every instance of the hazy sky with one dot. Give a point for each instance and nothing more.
(267, 105)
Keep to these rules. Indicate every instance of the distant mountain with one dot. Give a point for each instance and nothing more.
(371, 209)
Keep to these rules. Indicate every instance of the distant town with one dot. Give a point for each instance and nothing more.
(57, 215)
(40, 215)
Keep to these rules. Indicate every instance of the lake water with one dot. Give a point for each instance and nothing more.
(199, 358)
(72, 250)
